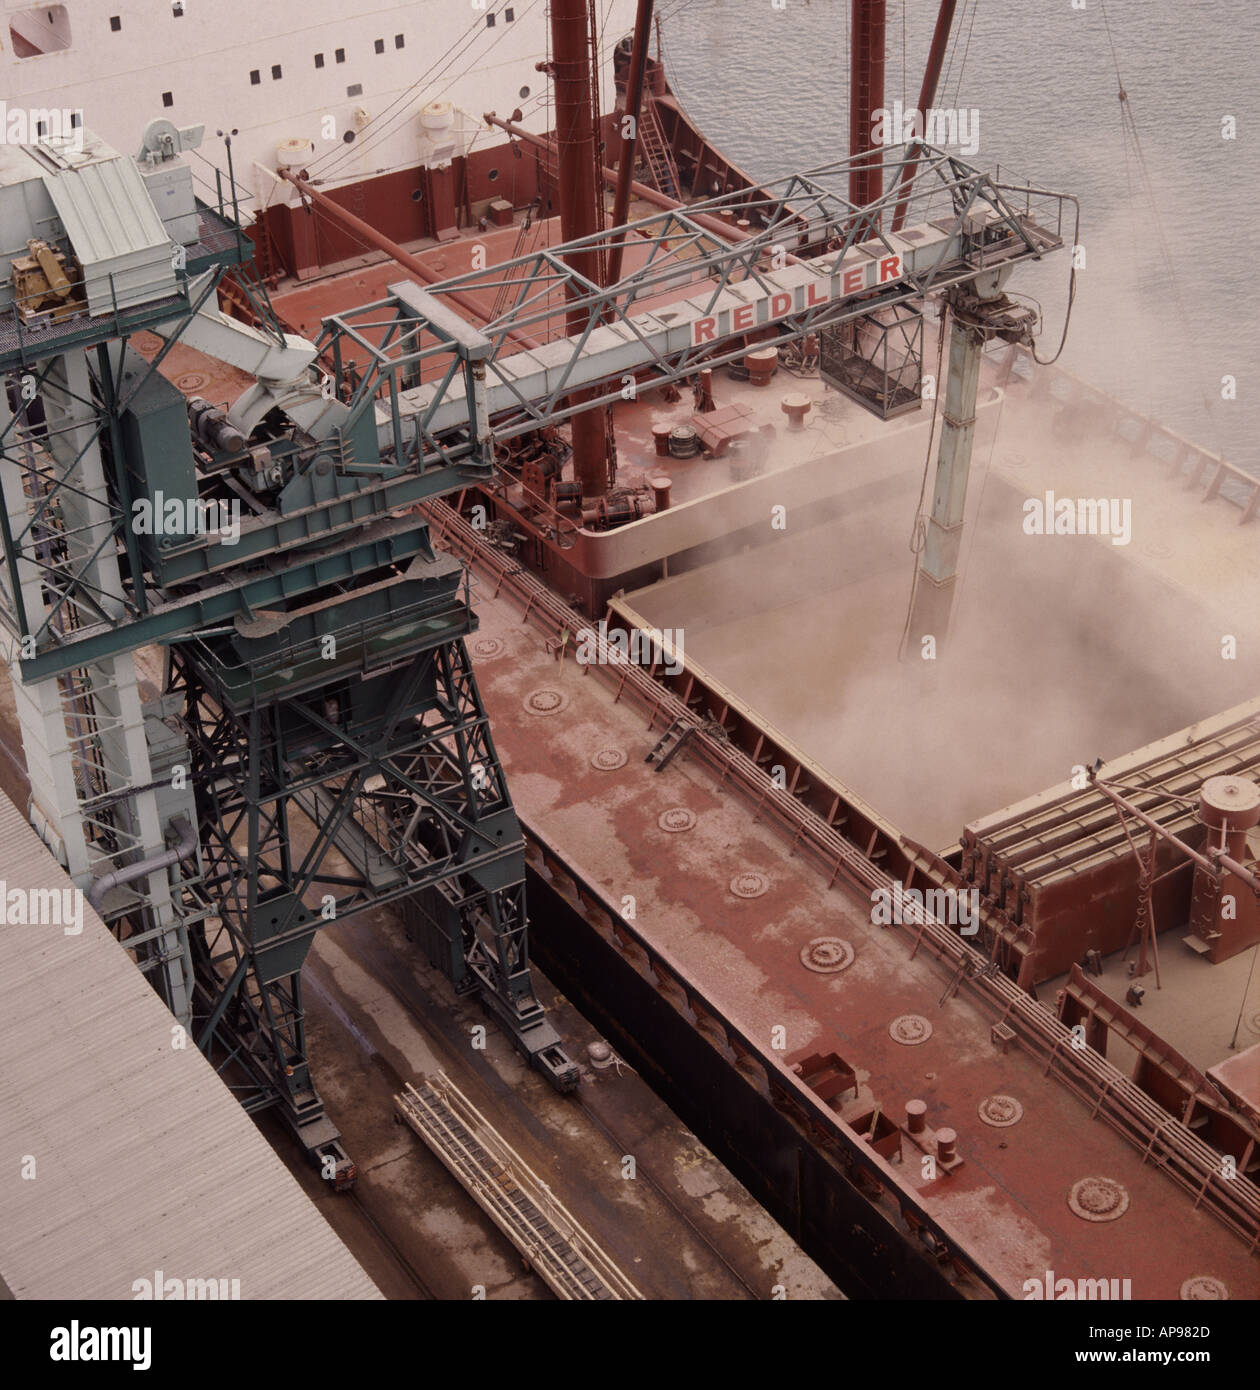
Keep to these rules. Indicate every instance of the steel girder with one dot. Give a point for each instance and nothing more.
(316, 806)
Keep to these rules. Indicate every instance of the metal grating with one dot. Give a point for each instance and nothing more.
(516, 1199)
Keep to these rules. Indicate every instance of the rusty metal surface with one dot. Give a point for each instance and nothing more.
(1061, 866)
(734, 967)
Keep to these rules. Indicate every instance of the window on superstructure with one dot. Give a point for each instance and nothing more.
(379, 45)
(319, 60)
(177, 9)
(355, 91)
(340, 55)
(168, 99)
(509, 14)
(255, 78)
(34, 32)
(398, 40)
(490, 21)
(115, 23)
(276, 72)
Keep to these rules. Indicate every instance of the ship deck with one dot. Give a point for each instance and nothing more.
(1009, 1199)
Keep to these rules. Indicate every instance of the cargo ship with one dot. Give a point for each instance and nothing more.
(280, 395)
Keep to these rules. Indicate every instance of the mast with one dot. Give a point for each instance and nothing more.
(630, 130)
(866, 96)
(580, 206)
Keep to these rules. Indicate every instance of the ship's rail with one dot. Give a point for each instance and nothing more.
(1185, 461)
(1163, 1138)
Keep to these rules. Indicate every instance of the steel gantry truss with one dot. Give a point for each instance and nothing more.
(441, 393)
(374, 784)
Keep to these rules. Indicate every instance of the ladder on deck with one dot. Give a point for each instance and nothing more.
(669, 743)
(515, 1198)
(657, 154)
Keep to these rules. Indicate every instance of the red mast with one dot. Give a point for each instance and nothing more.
(866, 96)
(581, 211)
(630, 130)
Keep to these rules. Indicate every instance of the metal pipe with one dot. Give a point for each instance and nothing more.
(1218, 860)
(866, 96)
(183, 849)
(927, 95)
(368, 233)
(643, 191)
(580, 208)
(629, 142)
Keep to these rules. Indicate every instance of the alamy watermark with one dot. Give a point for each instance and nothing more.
(186, 516)
(24, 125)
(42, 907)
(641, 646)
(1049, 515)
(951, 907)
(75, 1343)
(171, 1289)
(1064, 1289)
(942, 125)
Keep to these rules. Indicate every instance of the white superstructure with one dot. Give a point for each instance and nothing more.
(352, 77)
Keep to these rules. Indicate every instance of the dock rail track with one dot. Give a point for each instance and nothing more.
(549, 1237)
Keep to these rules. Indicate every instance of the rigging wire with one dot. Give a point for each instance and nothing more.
(427, 79)
(962, 67)
(1233, 1042)
(358, 149)
(954, 41)
(430, 74)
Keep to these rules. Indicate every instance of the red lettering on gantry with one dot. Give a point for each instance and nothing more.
(780, 304)
(742, 318)
(816, 292)
(704, 330)
(889, 269)
(855, 280)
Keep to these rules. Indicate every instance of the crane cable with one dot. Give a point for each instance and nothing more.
(1071, 299)
(379, 128)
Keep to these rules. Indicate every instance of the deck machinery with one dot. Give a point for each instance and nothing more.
(318, 745)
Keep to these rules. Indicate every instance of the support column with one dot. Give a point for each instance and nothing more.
(938, 564)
